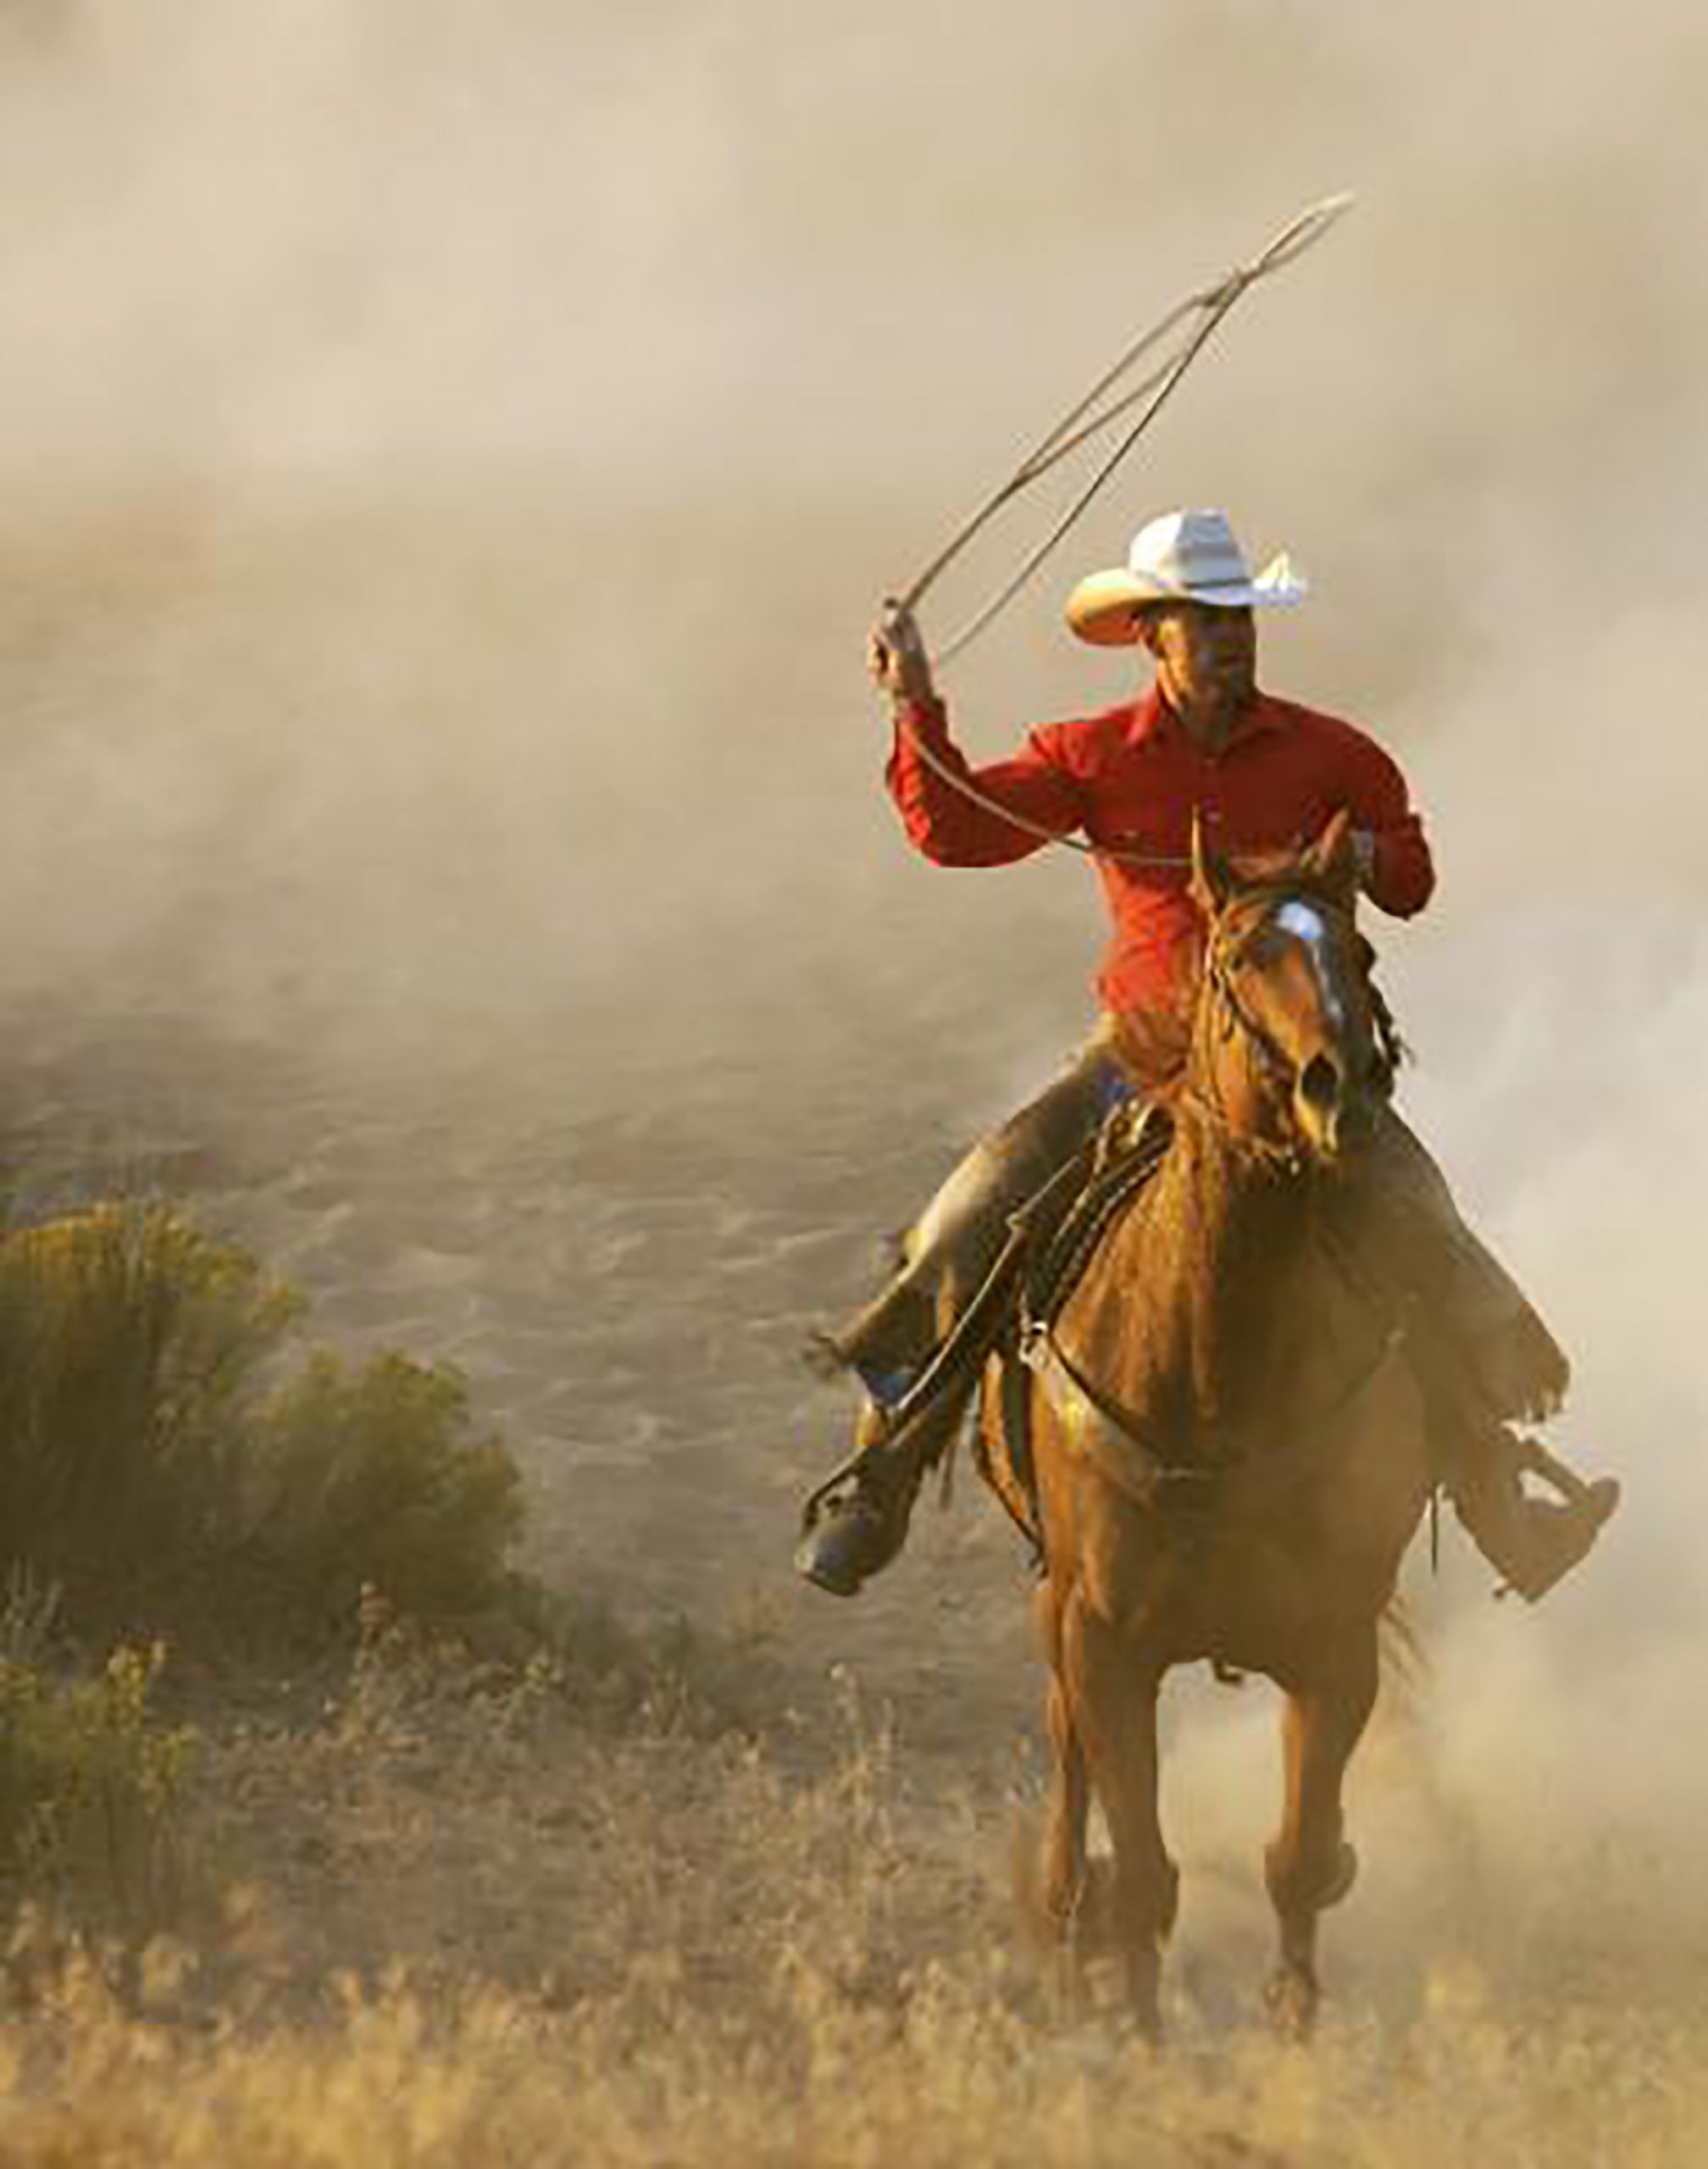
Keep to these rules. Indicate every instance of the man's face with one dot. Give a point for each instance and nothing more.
(1206, 657)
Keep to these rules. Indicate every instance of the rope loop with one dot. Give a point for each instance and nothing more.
(1086, 418)
(1083, 421)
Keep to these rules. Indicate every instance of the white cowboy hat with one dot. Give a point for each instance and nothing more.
(1183, 557)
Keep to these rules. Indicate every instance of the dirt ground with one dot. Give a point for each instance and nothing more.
(450, 1918)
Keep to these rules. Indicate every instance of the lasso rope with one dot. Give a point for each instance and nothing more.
(1081, 422)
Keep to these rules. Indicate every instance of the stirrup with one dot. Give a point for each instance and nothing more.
(1563, 1535)
(1534, 1458)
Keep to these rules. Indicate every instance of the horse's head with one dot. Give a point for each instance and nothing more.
(1290, 1046)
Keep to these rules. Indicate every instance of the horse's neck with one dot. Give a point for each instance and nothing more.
(1196, 1314)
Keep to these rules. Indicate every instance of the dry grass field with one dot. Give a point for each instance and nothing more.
(459, 1919)
(690, 1868)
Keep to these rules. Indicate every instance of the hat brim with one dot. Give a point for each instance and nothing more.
(1101, 609)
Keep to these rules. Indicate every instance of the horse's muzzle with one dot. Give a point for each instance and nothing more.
(1333, 1114)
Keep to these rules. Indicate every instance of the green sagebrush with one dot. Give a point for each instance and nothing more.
(91, 1782)
(166, 1455)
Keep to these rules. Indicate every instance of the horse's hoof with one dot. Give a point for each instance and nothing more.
(1069, 1993)
(851, 1539)
(1291, 1998)
(1145, 2010)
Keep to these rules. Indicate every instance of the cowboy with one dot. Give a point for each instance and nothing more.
(1202, 745)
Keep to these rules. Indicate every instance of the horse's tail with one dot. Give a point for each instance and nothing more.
(1407, 1672)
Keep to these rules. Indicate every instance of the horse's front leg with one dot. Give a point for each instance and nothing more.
(1063, 1850)
(1111, 1700)
(1310, 1867)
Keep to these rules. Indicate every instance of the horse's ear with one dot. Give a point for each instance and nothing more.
(1211, 879)
(1330, 859)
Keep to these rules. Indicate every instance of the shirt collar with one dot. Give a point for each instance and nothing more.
(1155, 722)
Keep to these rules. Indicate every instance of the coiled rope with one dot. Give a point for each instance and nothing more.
(1203, 311)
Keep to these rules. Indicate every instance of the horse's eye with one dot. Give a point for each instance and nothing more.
(1255, 950)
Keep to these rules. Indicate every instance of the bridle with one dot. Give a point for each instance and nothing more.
(1147, 1459)
(1219, 998)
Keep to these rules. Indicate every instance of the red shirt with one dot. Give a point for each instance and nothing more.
(1130, 779)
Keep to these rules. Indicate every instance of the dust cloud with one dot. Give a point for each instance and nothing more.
(449, 460)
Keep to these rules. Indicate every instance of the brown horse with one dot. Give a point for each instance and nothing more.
(1229, 1441)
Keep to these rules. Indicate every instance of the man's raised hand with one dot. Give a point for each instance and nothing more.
(897, 658)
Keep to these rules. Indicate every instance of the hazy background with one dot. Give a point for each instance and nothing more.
(448, 457)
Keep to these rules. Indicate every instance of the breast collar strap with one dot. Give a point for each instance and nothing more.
(1250, 1483)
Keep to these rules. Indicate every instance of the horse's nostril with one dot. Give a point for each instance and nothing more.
(1319, 1084)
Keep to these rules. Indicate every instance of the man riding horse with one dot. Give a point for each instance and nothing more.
(1203, 753)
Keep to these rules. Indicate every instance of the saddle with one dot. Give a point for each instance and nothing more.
(1004, 1339)
(1051, 1240)
(1119, 1164)
(1482, 1356)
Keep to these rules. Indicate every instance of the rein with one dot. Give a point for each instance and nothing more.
(1107, 1436)
(1219, 988)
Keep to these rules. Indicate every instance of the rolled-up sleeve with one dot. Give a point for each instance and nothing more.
(1402, 875)
(1033, 784)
